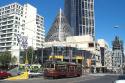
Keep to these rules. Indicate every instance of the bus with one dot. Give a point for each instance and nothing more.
(57, 69)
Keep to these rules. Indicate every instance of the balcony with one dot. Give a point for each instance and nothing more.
(6, 36)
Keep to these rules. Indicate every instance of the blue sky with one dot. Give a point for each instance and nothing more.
(108, 13)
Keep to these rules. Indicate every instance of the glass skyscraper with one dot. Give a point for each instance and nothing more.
(80, 15)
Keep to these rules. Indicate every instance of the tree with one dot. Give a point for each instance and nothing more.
(5, 58)
(30, 55)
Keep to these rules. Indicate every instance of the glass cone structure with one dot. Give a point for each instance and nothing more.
(60, 29)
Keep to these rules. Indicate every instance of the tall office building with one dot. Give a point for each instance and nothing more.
(20, 19)
(118, 53)
(80, 15)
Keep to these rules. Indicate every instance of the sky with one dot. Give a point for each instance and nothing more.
(108, 13)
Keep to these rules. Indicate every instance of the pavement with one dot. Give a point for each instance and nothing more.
(104, 74)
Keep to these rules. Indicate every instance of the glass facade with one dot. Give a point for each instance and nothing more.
(67, 53)
(60, 29)
(80, 15)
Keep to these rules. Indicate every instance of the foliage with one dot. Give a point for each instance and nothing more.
(5, 58)
(30, 55)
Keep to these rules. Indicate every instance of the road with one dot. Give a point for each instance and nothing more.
(104, 79)
(83, 79)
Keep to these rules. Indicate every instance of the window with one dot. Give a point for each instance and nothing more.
(61, 67)
(91, 44)
(49, 65)
(22, 33)
(15, 39)
(15, 30)
(16, 17)
(8, 11)
(71, 68)
(14, 43)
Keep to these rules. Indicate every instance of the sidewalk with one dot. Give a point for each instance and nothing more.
(103, 74)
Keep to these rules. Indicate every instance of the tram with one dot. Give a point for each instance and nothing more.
(57, 69)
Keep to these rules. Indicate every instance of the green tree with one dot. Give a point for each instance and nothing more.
(30, 55)
(5, 58)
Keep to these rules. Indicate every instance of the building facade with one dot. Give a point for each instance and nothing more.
(80, 15)
(103, 47)
(108, 60)
(106, 55)
(117, 55)
(82, 43)
(20, 19)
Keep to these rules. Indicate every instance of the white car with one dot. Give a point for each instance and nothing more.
(119, 81)
(34, 74)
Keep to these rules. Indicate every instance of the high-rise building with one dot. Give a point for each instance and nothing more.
(20, 19)
(118, 54)
(80, 15)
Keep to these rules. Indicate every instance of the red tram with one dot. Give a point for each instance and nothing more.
(56, 69)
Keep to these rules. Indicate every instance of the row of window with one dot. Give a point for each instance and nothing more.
(5, 48)
(6, 35)
(9, 22)
(9, 18)
(15, 11)
(11, 6)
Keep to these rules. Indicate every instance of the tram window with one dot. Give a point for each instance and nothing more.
(72, 68)
(52, 66)
(61, 67)
(49, 65)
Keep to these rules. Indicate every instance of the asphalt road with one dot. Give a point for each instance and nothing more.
(83, 79)
(104, 79)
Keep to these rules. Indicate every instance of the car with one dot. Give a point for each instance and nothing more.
(34, 74)
(121, 79)
(4, 74)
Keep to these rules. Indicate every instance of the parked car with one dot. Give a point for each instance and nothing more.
(4, 74)
(121, 79)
